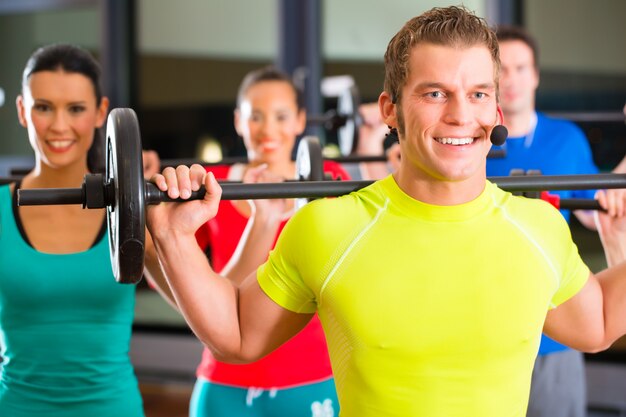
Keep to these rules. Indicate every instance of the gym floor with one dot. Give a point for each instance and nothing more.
(166, 400)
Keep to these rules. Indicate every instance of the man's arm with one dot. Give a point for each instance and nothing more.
(595, 317)
(254, 244)
(238, 324)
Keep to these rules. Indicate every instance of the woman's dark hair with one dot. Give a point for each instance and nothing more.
(71, 59)
(268, 73)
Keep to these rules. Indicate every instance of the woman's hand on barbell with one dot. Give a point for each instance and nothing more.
(268, 210)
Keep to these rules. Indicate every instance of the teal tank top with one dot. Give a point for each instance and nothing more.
(65, 328)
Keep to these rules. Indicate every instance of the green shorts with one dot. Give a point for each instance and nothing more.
(318, 399)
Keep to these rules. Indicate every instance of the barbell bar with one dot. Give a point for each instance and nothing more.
(590, 116)
(124, 193)
(316, 189)
(9, 180)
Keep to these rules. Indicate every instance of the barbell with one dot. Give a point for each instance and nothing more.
(124, 193)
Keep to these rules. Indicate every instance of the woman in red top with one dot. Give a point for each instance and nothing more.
(296, 379)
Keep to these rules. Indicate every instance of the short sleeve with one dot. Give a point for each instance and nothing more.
(574, 272)
(281, 276)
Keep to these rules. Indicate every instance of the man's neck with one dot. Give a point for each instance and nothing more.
(519, 123)
(441, 193)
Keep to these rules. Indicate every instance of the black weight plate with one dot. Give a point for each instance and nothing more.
(126, 216)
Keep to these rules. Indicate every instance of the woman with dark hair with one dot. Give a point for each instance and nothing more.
(296, 379)
(65, 324)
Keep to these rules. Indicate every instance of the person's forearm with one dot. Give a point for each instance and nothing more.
(615, 252)
(585, 217)
(371, 137)
(154, 274)
(207, 301)
(613, 284)
(253, 247)
(613, 242)
(612, 281)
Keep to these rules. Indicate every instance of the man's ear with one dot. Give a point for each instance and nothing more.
(499, 116)
(387, 109)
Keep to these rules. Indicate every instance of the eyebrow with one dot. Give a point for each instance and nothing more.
(43, 100)
(432, 84)
(278, 110)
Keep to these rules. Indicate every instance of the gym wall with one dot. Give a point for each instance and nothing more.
(193, 54)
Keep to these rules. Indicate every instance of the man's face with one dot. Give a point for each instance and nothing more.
(518, 77)
(446, 112)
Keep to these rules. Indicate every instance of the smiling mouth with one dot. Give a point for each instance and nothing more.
(269, 146)
(455, 141)
(60, 144)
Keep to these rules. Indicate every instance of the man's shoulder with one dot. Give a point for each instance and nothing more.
(336, 214)
(344, 204)
(534, 210)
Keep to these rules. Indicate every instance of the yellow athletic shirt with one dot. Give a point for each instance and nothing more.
(428, 310)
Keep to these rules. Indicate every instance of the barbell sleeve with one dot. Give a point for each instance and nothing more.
(560, 182)
(580, 204)
(9, 180)
(50, 196)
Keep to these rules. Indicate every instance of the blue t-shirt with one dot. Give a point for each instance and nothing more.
(555, 147)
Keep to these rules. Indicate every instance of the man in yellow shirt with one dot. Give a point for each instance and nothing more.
(432, 284)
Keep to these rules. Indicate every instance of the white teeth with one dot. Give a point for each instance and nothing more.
(455, 141)
(58, 144)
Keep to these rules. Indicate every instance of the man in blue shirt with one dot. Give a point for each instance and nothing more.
(555, 147)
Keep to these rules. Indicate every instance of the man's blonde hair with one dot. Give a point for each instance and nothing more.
(448, 26)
